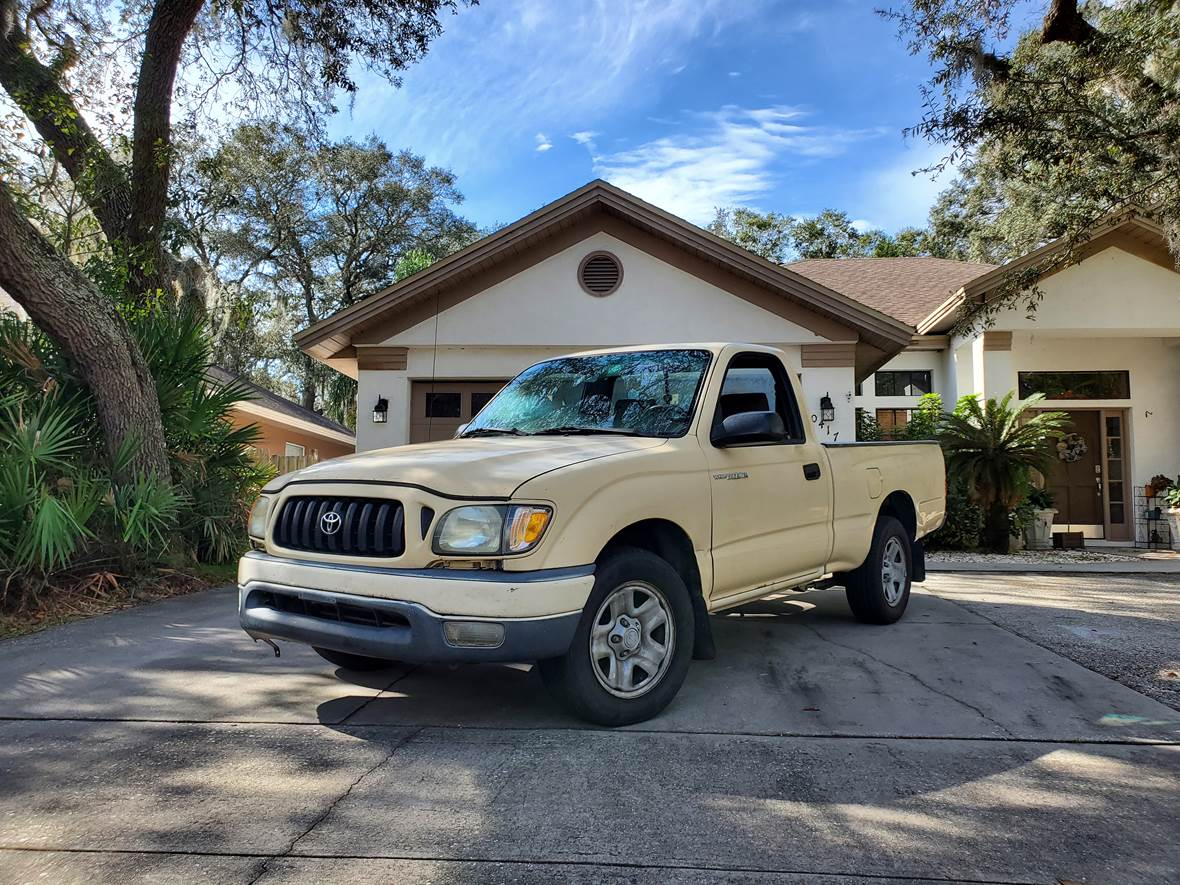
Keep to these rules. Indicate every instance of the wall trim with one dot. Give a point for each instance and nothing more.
(828, 356)
(382, 358)
(993, 340)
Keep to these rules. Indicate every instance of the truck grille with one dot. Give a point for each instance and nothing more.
(363, 526)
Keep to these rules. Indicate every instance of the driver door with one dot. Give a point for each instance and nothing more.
(771, 500)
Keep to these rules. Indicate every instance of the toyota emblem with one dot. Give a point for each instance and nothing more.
(330, 522)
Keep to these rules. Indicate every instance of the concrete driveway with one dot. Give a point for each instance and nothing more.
(161, 745)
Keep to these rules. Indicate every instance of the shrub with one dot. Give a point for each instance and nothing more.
(62, 505)
(963, 527)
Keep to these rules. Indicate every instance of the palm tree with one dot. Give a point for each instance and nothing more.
(991, 449)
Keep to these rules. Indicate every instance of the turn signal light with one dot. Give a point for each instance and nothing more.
(525, 527)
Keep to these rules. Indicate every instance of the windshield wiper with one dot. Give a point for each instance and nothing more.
(493, 431)
(584, 431)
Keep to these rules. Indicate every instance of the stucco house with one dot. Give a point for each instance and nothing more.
(600, 267)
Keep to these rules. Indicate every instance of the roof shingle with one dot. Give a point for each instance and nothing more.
(907, 289)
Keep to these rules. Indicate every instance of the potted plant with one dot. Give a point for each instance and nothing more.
(1157, 485)
(1038, 535)
(1172, 498)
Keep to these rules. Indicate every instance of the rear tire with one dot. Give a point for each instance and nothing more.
(352, 662)
(879, 590)
(633, 644)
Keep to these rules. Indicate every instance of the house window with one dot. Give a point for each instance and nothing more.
(479, 399)
(291, 450)
(892, 420)
(909, 383)
(1075, 385)
(444, 405)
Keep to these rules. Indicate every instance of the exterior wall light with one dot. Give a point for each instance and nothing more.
(381, 411)
(827, 411)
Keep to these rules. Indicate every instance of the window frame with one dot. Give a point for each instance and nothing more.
(784, 393)
(1022, 386)
(909, 375)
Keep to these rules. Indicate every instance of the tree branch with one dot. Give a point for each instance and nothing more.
(1064, 24)
(35, 89)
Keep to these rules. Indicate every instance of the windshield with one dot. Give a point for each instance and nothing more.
(641, 393)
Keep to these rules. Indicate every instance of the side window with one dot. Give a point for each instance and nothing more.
(757, 382)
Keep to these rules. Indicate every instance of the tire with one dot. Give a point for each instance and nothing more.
(602, 678)
(352, 662)
(879, 590)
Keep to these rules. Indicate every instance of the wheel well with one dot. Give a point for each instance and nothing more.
(671, 543)
(900, 506)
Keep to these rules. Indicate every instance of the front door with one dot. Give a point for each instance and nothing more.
(1076, 478)
(439, 408)
(771, 501)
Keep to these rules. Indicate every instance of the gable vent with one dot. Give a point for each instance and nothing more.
(600, 273)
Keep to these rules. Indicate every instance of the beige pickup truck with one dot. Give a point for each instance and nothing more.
(590, 519)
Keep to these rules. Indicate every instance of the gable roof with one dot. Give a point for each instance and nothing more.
(274, 403)
(332, 339)
(1132, 230)
(908, 289)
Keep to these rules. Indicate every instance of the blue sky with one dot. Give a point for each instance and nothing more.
(691, 104)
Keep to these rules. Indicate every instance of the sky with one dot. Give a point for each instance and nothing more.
(791, 106)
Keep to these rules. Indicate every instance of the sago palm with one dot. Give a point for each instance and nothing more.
(992, 447)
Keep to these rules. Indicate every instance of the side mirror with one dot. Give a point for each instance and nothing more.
(749, 427)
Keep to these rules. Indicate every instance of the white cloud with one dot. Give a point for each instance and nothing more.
(585, 137)
(897, 195)
(535, 65)
(543, 142)
(731, 157)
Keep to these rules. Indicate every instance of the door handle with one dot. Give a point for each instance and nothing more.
(811, 471)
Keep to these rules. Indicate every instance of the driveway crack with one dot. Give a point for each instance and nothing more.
(322, 816)
(914, 676)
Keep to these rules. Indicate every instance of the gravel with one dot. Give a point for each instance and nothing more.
(1126, 627)
(1030, 557)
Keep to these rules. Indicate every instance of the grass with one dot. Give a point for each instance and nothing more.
(74, 597)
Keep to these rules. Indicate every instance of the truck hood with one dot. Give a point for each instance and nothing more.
(486, 467)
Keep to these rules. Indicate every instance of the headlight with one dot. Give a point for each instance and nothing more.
(258, 514)
(489, 530)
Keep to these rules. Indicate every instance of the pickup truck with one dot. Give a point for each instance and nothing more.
(590, 518)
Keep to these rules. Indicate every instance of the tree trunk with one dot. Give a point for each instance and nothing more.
(309, 382)
(995, 528)
(85, 325)
(151, 139)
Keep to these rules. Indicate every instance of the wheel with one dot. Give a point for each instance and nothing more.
(879, 590)
(352, 662)
(631, 650)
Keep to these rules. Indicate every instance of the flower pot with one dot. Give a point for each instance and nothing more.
(1039, 534)
(1174, 525)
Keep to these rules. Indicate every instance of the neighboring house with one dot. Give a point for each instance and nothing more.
(291, 435)
(600, 267)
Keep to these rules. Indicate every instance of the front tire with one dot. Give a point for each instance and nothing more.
(349, 661)
(633, 644)
(879, 590)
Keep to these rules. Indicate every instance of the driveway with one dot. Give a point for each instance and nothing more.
(160, 744)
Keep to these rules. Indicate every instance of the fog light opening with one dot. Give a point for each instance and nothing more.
(473, 634)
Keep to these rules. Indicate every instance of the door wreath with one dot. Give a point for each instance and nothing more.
(1071, 447)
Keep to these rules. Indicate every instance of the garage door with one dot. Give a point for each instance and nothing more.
(438, 408)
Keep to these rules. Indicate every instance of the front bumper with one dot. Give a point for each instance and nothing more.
(398, 624)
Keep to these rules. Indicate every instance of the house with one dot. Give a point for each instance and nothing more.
(599, 267)
(292, 436)
(1103, 346)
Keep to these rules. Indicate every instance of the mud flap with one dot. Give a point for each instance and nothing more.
(918, 562)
